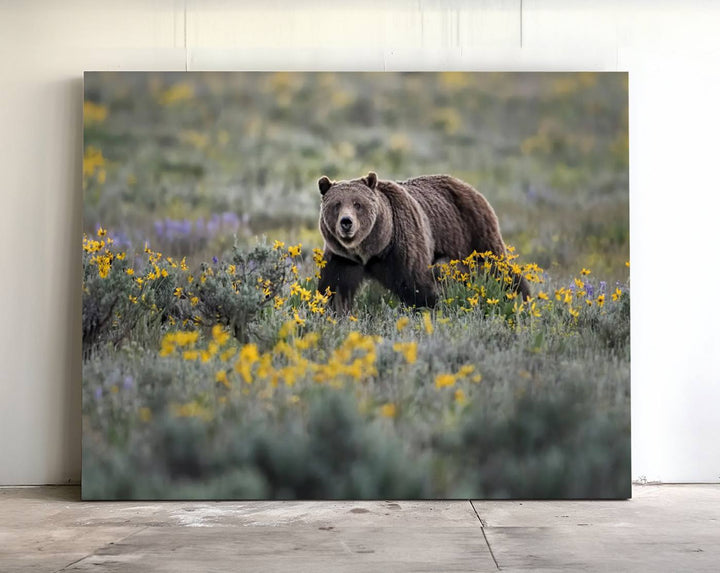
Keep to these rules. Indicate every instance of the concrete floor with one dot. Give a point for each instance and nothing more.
(663, 528)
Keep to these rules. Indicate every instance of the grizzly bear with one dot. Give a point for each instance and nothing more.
(393, 231)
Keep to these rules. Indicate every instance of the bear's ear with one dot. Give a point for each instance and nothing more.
(324, 184)
(371, 180)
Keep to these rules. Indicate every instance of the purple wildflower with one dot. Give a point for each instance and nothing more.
(213, 225)
(230, 220)
(120, 239)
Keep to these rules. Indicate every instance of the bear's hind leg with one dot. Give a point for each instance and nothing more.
(521, 285)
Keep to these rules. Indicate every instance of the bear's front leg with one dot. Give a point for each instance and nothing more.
(418, 294)
(343, 277)
(412, 287)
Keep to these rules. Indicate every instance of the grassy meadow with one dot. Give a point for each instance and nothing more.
(211, 366)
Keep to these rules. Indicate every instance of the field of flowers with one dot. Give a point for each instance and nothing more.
(211, 365)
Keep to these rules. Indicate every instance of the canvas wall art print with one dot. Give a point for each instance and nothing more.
(355, 286)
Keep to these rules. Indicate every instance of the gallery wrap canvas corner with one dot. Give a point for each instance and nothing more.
(355, 286)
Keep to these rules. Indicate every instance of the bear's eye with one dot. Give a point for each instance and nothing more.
(357, 205)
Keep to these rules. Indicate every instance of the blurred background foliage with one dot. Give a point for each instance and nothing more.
(186, 160)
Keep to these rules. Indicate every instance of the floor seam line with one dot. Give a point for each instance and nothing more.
(96, 549)
(482, 528)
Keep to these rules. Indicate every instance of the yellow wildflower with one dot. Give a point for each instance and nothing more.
(176, 93)
(191, 410)
(278, 245)
(466, 370)
(310, 340)
(221, 376)
(220, 335)
(601, 300)
(427, 321)
(249, 355)
(408, 350)
(318, 258)
(295, 251)
(186, 338)
(492, 300)
(178, 292)
(228, 354)
(287, 329)
(388, 410)
(585, 272)
(94, 112)
(443, 380)
(460, 398)
(265, 369)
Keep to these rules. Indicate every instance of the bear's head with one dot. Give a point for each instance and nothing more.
(349, 211)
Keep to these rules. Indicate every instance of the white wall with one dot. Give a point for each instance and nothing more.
(671, 49)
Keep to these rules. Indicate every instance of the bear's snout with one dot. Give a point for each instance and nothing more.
(346, 224)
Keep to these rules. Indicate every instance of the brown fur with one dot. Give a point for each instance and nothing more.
(393, 231)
